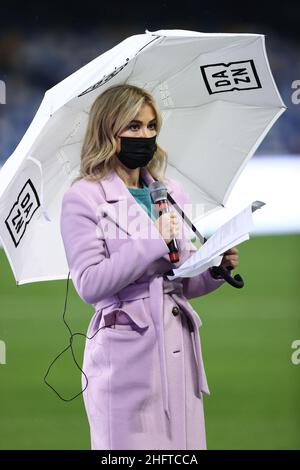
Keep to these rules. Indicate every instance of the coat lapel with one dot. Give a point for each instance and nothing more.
(123, 203)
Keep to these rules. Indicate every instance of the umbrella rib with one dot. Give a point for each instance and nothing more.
(155, 39)
(224, 101)
(136, 56)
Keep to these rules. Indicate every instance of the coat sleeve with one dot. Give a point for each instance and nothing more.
(204, 282)
(94, 274)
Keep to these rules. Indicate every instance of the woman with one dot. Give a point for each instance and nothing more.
(143, 360)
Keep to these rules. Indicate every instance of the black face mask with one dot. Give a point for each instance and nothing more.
(136, 151)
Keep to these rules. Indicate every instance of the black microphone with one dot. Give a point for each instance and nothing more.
(158, 192)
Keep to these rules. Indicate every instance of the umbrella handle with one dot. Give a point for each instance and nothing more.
(236, 281)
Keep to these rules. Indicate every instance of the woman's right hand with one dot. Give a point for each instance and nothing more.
(168, 226)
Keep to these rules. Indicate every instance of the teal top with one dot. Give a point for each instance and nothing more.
(143, 197)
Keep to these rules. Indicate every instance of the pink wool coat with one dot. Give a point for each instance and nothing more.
(142, 357)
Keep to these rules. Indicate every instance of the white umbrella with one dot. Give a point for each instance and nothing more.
(218, 100)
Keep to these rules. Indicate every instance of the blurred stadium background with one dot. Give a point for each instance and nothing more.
(247, 335)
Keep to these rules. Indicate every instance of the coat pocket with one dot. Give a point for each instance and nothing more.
(129, 318)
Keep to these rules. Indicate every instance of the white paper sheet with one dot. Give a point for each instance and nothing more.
(232, 233)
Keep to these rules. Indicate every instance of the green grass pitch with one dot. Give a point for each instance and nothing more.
(246, 340)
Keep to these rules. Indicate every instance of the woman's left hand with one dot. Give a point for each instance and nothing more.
(230, 258)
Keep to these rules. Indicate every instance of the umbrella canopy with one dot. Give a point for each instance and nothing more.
(218, 100)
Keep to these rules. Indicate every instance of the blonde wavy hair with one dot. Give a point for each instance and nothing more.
(110, 114)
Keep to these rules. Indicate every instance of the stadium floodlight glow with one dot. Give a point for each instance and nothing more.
(2, 92)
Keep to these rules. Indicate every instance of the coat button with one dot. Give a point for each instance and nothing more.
(175, 311)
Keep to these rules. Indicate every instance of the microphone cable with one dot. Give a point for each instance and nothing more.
(70, 346)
